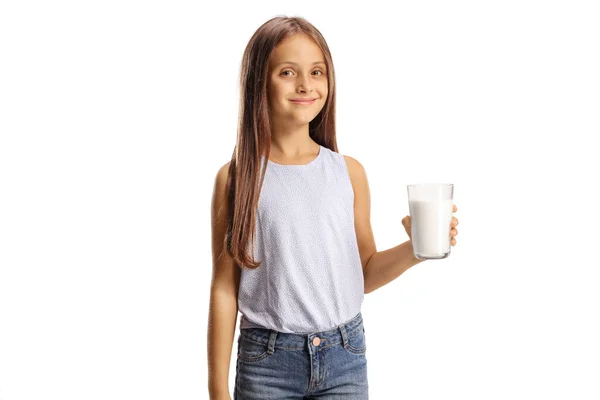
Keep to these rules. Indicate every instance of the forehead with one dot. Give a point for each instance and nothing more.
(299, 48)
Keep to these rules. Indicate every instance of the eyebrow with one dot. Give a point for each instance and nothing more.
(293, 63)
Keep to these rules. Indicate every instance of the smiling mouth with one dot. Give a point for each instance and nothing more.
(303, 101)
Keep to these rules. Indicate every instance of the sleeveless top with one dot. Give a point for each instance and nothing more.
(311, 276)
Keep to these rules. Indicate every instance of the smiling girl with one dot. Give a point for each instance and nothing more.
(293, 248)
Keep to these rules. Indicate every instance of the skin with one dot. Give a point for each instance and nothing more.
(290, 141)
(362, 213)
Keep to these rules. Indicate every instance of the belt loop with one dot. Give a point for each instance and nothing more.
(271, 345)
(344, 334)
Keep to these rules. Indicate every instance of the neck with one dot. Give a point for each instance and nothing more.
(292, 142)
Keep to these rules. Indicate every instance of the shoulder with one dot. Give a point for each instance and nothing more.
(356, 171)
(362, 210)
(226, 274)
(352, 162)
(222, 174)
(220, 186)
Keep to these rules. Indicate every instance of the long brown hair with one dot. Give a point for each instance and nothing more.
(254, 130)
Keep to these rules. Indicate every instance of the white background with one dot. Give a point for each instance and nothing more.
(116, 115)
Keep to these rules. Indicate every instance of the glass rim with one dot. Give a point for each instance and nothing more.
(430, 184)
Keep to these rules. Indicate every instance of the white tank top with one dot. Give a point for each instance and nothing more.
(311, 276)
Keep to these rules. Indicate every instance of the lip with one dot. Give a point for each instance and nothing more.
(303, 101)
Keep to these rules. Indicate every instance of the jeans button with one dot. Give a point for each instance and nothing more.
(316, 341)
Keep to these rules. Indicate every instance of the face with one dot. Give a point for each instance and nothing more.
(297, 70)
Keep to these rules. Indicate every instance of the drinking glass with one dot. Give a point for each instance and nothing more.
(430, 206)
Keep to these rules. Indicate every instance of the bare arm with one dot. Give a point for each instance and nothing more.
(379, 267)
(385, 266)
(362, 212)
(222, 315)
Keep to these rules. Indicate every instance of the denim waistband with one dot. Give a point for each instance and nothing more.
(297, 341)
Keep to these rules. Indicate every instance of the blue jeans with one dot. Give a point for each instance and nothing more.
(321, 365)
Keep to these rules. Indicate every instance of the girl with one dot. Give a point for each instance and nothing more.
(293, 248)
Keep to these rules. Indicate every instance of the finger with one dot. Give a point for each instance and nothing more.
(454, 208)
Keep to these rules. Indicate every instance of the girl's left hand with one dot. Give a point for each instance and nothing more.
(453, 230)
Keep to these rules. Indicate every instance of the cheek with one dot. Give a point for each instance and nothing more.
(275, 92)
(324, 89)
(324, 95)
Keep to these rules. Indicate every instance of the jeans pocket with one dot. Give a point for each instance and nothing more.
(357, 343)
(250, 351)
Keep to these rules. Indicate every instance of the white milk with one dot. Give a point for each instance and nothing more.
(430, 227)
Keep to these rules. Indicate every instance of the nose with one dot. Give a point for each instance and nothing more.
(304, 83)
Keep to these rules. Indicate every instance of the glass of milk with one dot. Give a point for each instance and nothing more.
(430, 207)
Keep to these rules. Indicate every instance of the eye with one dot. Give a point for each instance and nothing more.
(287, 70)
